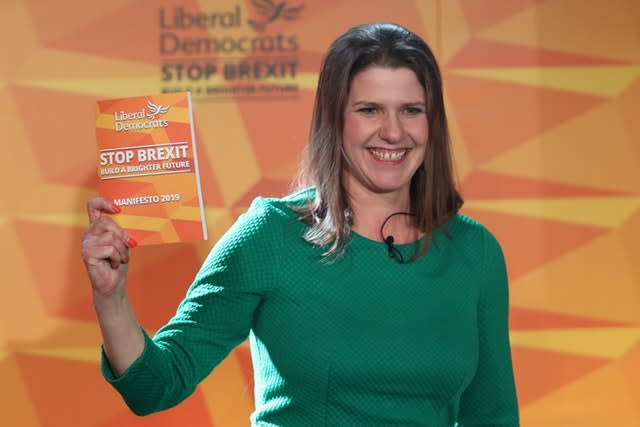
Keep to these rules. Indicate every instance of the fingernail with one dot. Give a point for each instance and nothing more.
(115, 208)
(132, 243)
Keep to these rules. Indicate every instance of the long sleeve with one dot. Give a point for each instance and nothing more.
(215, 316)
(363, 341)
(490, 399)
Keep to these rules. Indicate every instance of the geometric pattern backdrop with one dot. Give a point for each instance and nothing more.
(543, 100)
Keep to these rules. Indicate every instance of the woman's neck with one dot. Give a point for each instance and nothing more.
(371, 210)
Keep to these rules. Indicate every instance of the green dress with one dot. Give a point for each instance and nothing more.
(361, 341)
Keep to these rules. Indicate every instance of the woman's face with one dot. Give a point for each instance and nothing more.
(385, 130)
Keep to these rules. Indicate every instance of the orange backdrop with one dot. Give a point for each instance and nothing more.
(543, 98)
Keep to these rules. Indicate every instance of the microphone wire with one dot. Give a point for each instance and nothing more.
(394, 252)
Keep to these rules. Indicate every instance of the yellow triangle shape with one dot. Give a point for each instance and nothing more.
(609, 212)
(608, 343)
(186, 213)
(605, 81)
(115, 88)
(125, 221)
(125, 87)
(453, 29)
(81, 354)
(213, 215)
(64, 196)
(226, 388)
(307, 81)
(142, 222)
(43, 63)
(580, 151)
(463, 163)
(429, 13)
(552, 25)
(58, 219)
(221, 157)
(3, 355)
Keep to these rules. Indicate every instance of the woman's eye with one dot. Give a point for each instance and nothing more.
(368, 110)
(413, 110)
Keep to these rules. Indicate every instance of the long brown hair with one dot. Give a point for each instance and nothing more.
(434, 197)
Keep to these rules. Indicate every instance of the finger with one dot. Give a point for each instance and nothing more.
(105, 225)
(95, 255)
(93, 250)
(99, 205)
(110, 239)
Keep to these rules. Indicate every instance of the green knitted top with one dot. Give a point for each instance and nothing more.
(362, 341)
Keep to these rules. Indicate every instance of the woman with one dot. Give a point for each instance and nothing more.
(367, 298)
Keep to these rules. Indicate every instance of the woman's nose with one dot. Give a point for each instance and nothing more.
(391, 128)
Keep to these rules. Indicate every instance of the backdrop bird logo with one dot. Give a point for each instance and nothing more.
(271, 11)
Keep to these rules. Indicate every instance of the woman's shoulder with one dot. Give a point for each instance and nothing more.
(475, 243)
(471, 232)
(291, 201)
(266, 211)
(287, 205)
(266, 224)
(462, 223)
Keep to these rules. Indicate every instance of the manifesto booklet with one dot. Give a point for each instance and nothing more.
(148, 165)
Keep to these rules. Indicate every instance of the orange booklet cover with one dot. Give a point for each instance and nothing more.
(148, 165)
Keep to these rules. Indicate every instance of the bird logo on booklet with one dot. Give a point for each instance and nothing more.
(148, 165)
(154, 109)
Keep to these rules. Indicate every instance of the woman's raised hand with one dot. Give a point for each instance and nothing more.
(105, 252)
(105, 249)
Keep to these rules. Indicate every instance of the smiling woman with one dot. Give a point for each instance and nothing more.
(367, 298)
(380, 85)
(385, 133)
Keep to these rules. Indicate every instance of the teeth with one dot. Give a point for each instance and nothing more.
(388, 155)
